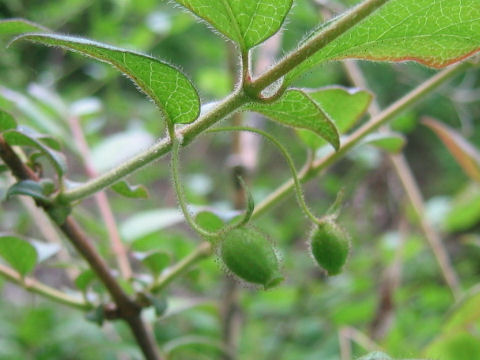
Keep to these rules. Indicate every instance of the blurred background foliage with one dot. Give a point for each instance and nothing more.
(303, 318)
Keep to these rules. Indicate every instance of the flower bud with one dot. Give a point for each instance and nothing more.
(330, 245)
(248, 254)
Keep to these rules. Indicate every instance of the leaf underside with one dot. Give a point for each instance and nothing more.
(435, 33)
(170, 90)
(296, 109)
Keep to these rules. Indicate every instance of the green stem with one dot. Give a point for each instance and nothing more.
(188, 133)
(374, 123)
(229, 105)
(296, 182)
(317, 42)
(183, 202)
(202, 251)
(37, 287)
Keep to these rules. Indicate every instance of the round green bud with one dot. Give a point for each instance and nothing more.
(248, 254)
(330, 245)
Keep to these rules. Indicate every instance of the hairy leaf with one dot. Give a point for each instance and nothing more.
(466, 155)
(345, 107)
(433, 32)
(19, 253)
(295, 108)
(156, 262)
(19, 26)
(170, 90)
(130, 191)
(16, 137)
(247, 22)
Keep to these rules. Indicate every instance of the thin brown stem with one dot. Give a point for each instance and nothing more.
(127, 309)
(411, 188)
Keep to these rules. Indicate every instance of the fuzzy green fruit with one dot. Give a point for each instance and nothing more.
(330, 246)
(248, 254)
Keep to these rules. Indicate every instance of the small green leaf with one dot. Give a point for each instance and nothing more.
(3, 168)
(295, 108)
(37, 190)
(209, 221)
(7, 121)
(247, 22)
(156, 262)
(159, 303)
(20, 254)
(435, 33)
(464, 213)
(170, 89)
(17, 137)
(84, 279)
(59, 213)
(19, 26)
(345, 107)
(391, 142)
(96, 315)
(467, 156)
(131, 191)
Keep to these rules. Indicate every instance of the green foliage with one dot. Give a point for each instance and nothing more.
(169, 89)
(247, 22)
(435, 33)
(333, 101)
(295, 108)
(392, 295)
(20, 254)
(19, 138)
(130, 191)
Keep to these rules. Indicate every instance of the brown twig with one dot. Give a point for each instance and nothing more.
(413, 193)
(127, 308)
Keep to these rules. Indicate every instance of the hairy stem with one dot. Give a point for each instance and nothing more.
(230, 104)
(373, 124)
(37, 287)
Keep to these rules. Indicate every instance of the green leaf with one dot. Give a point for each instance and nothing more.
(465, 210)
(156, 262)
(37, 190)
(467, 156)
(458, 345)
(7, 121)
(20, 254)
(19, 26)
(209, 221)
(433, 32)
(169, 89)
(159, 304)
(345, 107)
(295, 108)
(84, 279)
(96, 315)
(16, 137)
(247, 22)
(130, 191)
(391, 142)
